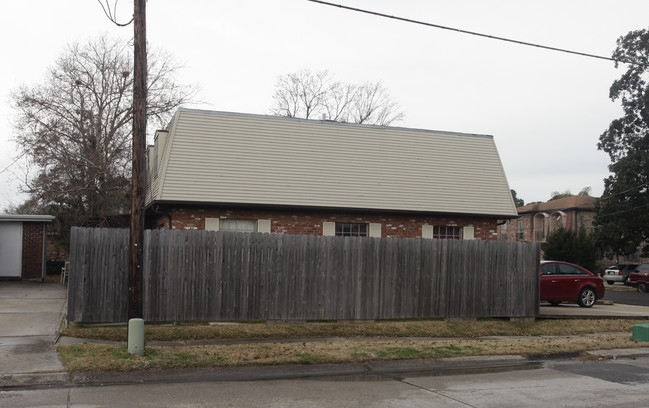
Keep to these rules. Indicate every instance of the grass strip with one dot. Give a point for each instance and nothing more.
(408, 328)
(97, 358)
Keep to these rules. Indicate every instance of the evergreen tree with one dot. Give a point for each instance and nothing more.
(565, 245)
(622, 220)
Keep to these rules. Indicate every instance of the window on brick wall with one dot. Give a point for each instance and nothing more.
(447, 232)
(351, 229)
(226, 224)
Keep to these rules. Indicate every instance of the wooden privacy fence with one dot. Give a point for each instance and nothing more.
(204, 275)
(98, 275)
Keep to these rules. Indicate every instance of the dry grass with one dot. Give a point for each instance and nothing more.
(343, 342)
(92, 357)
(422, 328)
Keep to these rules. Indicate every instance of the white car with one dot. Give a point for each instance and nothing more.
(618, 273)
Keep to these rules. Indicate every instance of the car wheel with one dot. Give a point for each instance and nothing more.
(554, 302)
(611, 282)
(587, 297)
(642, 287)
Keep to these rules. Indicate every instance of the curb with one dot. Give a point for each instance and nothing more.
(395, 368)
(459, 365)
(58, 379)
(620, 353)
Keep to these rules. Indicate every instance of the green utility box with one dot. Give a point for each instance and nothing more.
(641, 332)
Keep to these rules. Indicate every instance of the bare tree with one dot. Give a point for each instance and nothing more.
(76, 128)
(306, 94)
(339, 100)
(374, 105)
(301, 94)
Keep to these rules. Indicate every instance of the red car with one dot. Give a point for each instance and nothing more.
(639, 278)
(566, 282)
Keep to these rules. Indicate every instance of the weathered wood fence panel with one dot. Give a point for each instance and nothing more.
(203, 275)
(98, 275)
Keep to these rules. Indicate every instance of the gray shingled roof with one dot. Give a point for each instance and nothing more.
(221, 157)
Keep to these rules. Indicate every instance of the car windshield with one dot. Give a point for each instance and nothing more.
(643, 268)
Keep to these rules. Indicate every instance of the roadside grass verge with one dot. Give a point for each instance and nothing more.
(334, 342)
(97, 357)
(402, 328)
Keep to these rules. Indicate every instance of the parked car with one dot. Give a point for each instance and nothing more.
(618, 273)
(566, 282)
(639, 278)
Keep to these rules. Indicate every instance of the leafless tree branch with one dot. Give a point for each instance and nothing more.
(76, 128)
(306, 94)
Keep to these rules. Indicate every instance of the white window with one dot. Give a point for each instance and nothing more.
(351, 229)
(447, 232)
(239, 225)
(227, 224)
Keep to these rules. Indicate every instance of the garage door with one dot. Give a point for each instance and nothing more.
(11, 249)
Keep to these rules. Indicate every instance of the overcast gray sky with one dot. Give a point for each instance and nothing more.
(545, 109)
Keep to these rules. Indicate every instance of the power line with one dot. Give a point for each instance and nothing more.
(112, 14)
(623, 192)
(601, 199)
(623, 211)
(13, 162)
(493, 37)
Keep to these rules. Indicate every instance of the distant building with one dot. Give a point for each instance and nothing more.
(536, 221)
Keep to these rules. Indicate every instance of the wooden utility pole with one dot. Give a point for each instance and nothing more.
(139, 161)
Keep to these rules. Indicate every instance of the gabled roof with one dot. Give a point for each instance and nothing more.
(232, 158)
(561, 204)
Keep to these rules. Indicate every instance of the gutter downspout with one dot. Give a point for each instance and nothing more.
(44, 260)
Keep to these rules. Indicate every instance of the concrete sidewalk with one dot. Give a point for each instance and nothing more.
(29, 317)
(601, 310)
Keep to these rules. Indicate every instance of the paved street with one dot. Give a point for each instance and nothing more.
(626, 297)
(619, 383)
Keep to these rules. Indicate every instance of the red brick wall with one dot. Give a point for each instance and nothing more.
(310, 222)
(32, 250)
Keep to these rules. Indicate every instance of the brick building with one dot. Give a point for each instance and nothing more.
(23, 243)
(536, 221)
(228, 171)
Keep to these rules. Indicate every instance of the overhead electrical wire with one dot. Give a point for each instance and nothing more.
(13, 162)
(623, 211)
(493, 37)
(525, 43)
